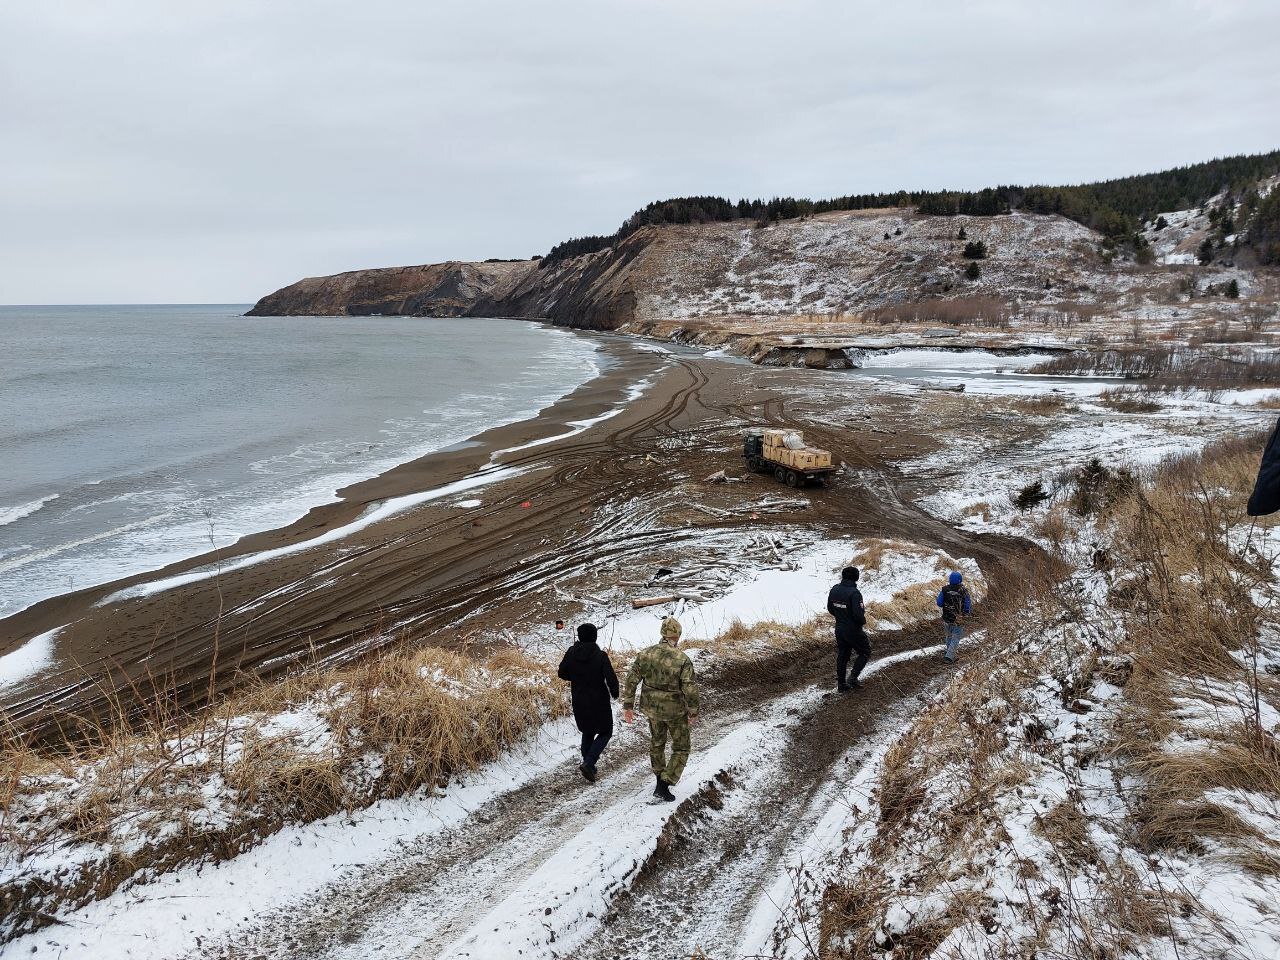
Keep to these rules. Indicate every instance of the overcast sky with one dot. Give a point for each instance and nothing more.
(161, 151)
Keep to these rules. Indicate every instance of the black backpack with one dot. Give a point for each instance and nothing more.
(952, 602)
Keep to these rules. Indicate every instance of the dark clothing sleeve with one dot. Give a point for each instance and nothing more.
(564, 673)
(1265, 498)
(968, 603)
(610, 678)
(858, 610)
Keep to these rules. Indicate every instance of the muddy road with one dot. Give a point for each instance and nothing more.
(566, 869)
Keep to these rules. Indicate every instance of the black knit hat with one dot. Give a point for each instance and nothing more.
(849, 573)
(587, 633)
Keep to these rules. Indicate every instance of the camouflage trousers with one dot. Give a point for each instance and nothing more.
(676, 727)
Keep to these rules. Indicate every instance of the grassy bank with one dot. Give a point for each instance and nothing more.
(143, 798)
(1106, 781)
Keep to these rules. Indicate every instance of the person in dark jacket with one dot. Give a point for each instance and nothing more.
(844, 602)
(956, 604)
(593, 683)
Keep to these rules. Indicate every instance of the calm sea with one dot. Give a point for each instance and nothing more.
(133, 436)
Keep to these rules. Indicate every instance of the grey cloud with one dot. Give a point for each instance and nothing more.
(152, 151)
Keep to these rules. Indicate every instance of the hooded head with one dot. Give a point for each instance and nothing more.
(586, 633)
(671, 629)
(955, 579)
(849, 573)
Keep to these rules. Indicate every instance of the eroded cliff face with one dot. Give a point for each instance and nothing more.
(596, 291)
(833, 264)
(437, 290)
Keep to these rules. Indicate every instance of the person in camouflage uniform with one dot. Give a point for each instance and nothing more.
(669, 698)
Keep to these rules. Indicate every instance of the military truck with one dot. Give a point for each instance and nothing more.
(785, 454)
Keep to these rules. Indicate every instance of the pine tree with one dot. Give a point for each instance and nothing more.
(1233, 290)
(962, 235)
(975, 250)
(973, 271)
(1205, 253)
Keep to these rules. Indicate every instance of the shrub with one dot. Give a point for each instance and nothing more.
(1097, 488)
(1032, 495)
(975, 250)
(972, 271)
(1128, 401)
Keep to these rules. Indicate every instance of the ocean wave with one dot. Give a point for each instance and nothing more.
(10, 515)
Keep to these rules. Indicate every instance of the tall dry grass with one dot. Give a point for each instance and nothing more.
(1189, 598)
(1194, 621)
(958, 311)
(175, 789)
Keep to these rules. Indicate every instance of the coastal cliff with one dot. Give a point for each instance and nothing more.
(827, 266)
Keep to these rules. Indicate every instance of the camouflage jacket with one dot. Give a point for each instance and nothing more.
(669, 686)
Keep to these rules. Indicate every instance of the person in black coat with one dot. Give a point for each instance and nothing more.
(593, 683)
(844, 602)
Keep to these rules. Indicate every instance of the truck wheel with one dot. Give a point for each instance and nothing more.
(793, 479)
(780, 475)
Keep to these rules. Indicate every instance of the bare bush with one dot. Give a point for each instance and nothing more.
(1167, 365)
(1128, 400)
(961, 311)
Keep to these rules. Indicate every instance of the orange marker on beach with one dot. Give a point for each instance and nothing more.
(527, 504)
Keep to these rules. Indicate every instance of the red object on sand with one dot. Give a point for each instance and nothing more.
(527, 504)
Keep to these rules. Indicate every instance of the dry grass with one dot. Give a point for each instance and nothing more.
(289, 751)
(1129, 400)
(1177, 636)
(1041, 405)
(1192, 628)
(1170, 366)
(958, 311)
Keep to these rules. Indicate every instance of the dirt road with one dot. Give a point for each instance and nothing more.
(559, 868)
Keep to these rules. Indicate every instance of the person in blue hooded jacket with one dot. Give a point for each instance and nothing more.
(956, 604)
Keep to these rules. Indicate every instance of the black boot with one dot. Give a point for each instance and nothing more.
(854, 684)
(588, 772)
(663, 792)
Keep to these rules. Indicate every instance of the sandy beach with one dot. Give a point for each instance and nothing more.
(457, 547)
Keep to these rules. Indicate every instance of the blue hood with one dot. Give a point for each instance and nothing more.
(955, 579)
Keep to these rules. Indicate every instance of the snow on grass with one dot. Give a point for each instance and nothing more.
(975, 478)
(206, 903)
(793, 595)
